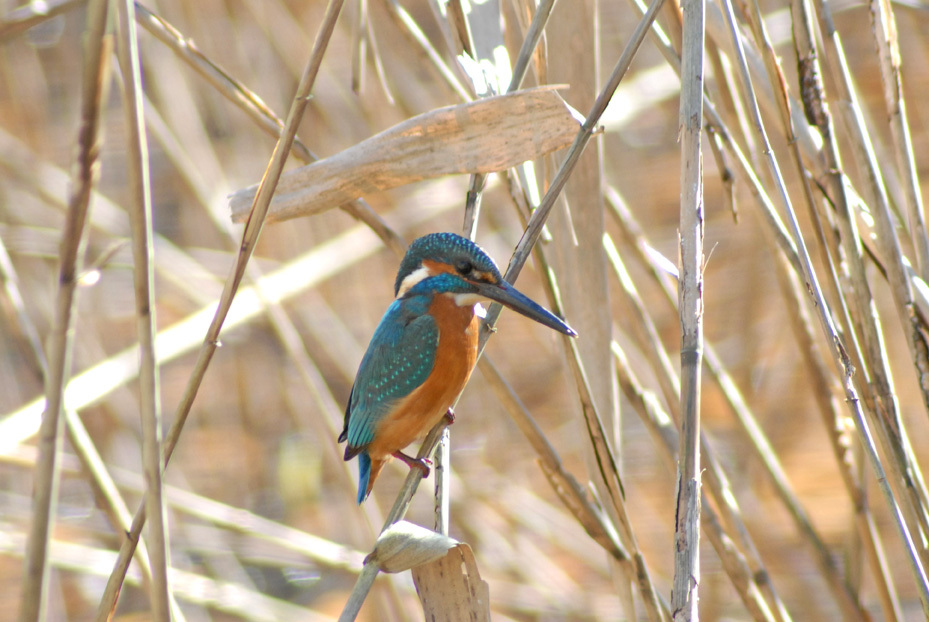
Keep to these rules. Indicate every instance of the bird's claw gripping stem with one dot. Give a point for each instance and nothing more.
(423, 464)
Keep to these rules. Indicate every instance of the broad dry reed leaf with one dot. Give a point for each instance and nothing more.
(489, 135)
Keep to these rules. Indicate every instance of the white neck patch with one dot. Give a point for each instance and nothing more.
(410, 280)
(467, 300)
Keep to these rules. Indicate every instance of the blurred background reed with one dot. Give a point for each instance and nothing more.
(261, 510)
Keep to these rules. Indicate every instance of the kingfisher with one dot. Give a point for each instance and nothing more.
(424, 350)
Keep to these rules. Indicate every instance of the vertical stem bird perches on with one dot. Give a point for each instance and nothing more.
(687, 520)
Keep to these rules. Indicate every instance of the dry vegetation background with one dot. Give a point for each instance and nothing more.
(261, 509)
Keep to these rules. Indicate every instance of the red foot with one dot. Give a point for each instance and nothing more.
(450, 416)
(414, 463)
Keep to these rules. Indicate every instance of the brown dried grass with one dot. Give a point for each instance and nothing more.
(260, 506)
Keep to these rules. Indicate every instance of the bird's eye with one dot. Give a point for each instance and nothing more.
(464, 267)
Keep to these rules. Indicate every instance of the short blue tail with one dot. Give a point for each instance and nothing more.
(364, 472)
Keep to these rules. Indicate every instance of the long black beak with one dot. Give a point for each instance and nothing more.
(509, 296)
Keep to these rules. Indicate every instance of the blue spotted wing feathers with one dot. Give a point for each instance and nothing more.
(399, 359)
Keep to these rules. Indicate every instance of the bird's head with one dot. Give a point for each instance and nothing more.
(453, 265)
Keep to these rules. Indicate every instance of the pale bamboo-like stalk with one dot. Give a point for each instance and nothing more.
(249, 240)
(95, 79)
(685, 591)
(716, 480)
(140, 218)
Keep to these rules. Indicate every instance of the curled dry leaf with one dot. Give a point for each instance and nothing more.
(491, 134)
(405, 545)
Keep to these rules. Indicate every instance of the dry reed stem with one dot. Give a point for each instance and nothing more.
(95, 78)
(410, 28)
(224, 597)
(891, 433)
(716, 480)
(836, 427)
(686, 585)
(884, 29)
(140, 216)
(758, 442)
(846, 600)
(245, 99)
(21, 19)
(520, 68)
(249, 240)
(826, 321)
(818, 111)
(747, 583)
(105, 489)
(366, 579)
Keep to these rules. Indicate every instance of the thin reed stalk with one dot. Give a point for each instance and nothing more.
(127, 49)
(95, 80)
(249, 240)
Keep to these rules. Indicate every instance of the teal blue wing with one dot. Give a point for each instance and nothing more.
(399, 359)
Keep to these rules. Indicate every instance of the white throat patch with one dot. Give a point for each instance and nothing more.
(412, 279)
(467, 300)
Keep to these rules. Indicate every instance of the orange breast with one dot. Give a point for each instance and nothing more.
(455, 357)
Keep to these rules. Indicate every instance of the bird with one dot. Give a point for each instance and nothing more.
(424, 349)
